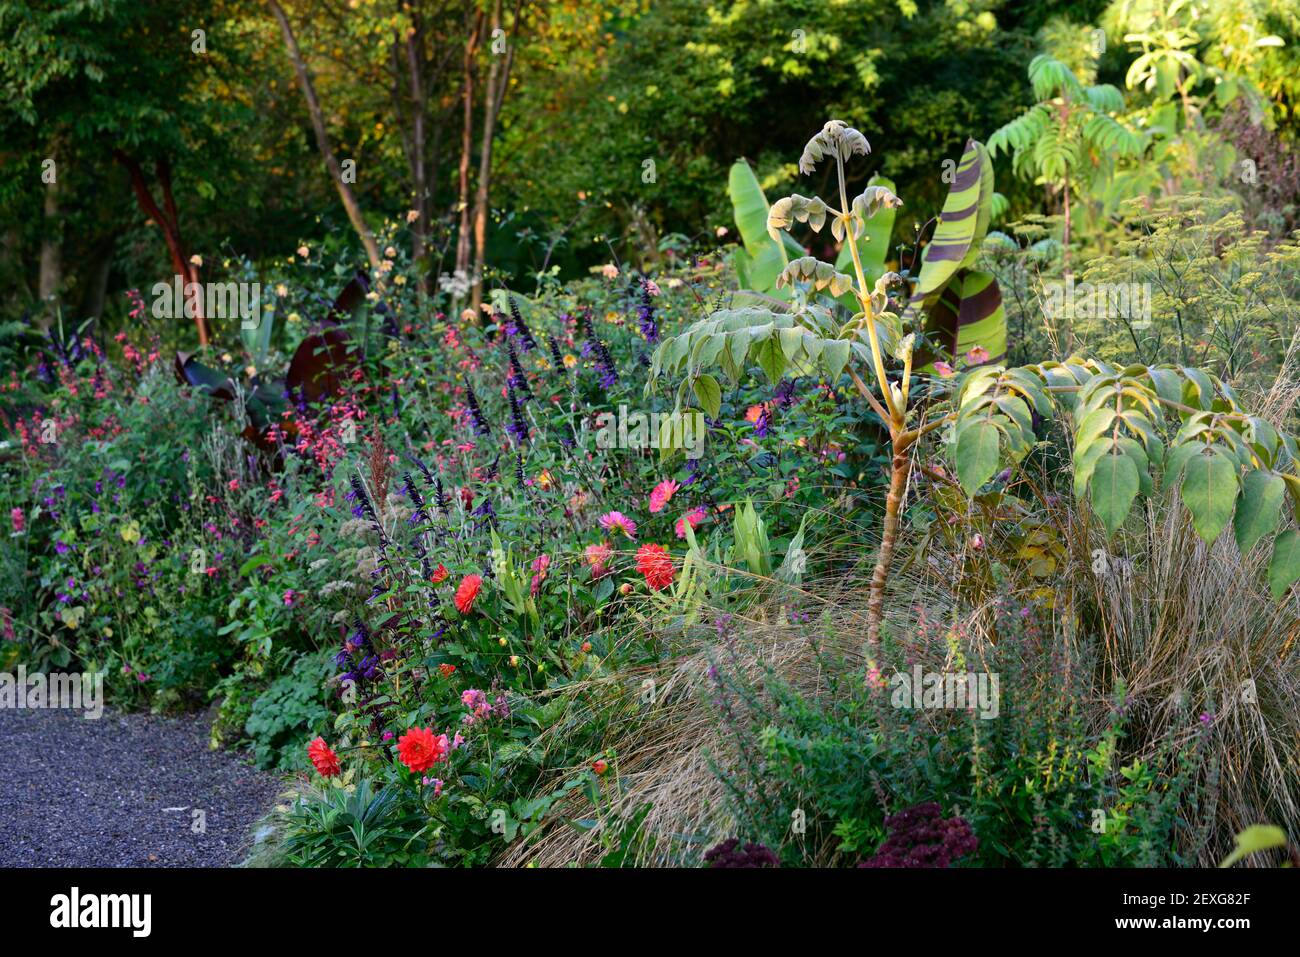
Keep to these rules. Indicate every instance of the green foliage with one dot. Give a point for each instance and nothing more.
(812, 773)
(1137, 429)
(762, 258)
(356, 827)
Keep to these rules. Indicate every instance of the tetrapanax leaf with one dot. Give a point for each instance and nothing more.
(709, 393)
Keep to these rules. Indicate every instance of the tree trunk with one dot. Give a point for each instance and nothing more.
(497, 85)
(419, 168)
(900, 467)
(96, 288)
(168, 223)
(51, 275)
(349, 199)
(466, 151)
(1066, 234)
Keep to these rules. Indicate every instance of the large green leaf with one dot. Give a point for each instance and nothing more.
(1209, 491)
(257, 340)
(765, 257)
(709, 393)
(1284, 569)
(1259, 509)
(1256, 838)
(976, 454)
(1113, 487)
(962, 224)
(967, 314)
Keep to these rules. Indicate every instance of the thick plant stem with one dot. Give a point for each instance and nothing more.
(900, 466)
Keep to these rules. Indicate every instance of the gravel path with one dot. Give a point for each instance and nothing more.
(121, 791)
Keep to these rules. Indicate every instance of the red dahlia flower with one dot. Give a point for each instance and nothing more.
(654, 562)
(325, 761)
(466, 592)
(439, 574)
(420, 749)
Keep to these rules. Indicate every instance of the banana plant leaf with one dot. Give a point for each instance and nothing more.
(762, 258)
(947, 281)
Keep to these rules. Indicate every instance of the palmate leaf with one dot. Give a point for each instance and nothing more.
(736, 339)
(812, 270)
(1229, 466)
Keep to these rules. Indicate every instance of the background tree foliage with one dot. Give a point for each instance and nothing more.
(609, 125)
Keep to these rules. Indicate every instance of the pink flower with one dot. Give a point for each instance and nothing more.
(977, 356)
(617, 521)
(693, 518)
(477, 702)
(654, 562)
(18, 520)
(944, 370)
(540, 564)
(597, 557)
(289, 597)
(437, 785)
(662, 494)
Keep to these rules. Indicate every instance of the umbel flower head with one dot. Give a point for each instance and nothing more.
(922, 837)
(730, 853)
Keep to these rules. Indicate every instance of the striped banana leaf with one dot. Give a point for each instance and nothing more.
(962, 307)
(968, 313)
